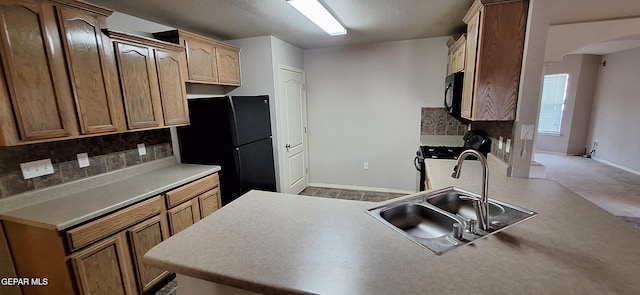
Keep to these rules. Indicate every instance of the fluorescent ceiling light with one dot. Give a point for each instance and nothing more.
(314, 11)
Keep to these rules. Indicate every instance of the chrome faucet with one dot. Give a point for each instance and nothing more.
(482, 205)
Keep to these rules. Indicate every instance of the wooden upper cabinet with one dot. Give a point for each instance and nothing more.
(152, 81)
(172, 87)
(456, 54)
(495, 44)
(34, 68)
(207, 61)
(228, 65)
(201, 61)
(139, 85)
(92, 67)
(60, 72)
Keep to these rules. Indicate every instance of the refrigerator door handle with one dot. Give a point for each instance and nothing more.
(239, 171)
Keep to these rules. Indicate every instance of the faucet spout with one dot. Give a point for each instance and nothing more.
(483, 212)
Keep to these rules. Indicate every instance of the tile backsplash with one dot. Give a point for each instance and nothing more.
(436, 121)
(106, 153)
(496, 129)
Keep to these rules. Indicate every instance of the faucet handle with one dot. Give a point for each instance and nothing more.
(471, 226)
(471, 198)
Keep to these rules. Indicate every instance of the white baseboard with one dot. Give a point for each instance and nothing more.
(616, 165)
(361, 188)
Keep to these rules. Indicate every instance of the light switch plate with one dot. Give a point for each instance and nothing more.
(527, 132)
(83, 160)
(142, 150)
(36, 168)
(507, 146)
(365, 166)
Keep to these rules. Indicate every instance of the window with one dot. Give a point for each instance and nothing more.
(553, 93)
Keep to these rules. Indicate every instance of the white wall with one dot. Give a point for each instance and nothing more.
(615, 119)
(134, 25)
(364, 104)
(259, 61)
(582, 71)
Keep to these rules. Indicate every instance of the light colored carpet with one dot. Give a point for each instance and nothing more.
(611, 188)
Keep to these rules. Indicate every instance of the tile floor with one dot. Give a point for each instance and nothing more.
(349, 194)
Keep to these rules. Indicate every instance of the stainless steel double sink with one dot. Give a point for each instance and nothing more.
(443, 220)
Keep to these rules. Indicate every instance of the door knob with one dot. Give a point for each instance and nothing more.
(287, 146)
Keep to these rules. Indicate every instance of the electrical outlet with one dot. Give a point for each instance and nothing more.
(36, 168)
(526, 132)
(83, 160)
(142, 150)
(507, 146)
(365, 166)
(500, 143)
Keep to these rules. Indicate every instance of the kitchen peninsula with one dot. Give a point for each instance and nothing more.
(275, 243)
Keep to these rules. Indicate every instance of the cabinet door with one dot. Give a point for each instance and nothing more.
(183, 216)
(34, 69)
(104, 268)
(228, 66)
(468, 88)
(209, 202)
(172, 88)
(142, 238)
(89, 69)
(201, 61)
(139, 85)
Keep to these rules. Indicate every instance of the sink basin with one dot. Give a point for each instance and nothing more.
(451, 202)
(429, 219)
(419, 221)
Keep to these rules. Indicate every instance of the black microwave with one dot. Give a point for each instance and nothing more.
(453, 93)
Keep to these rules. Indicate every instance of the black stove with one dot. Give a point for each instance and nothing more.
(473, 139)
(440, 152)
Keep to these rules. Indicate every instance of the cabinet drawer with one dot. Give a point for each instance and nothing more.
(98, 229)
(191, 190)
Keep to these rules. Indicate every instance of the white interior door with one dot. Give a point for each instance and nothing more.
(293, 109)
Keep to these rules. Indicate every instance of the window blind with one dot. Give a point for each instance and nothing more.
(552, 104)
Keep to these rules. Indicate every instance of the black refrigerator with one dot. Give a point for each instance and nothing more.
(235, 133)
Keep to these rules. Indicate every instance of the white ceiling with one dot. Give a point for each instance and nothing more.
(367, 21)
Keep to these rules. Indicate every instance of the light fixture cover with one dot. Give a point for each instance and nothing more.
(314, 11)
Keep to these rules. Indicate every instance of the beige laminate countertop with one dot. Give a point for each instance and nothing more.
(79, 206)
(276, 244)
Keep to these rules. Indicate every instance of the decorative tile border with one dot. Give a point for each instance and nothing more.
(106, 154)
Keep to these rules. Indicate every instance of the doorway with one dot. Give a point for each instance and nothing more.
(294, 169)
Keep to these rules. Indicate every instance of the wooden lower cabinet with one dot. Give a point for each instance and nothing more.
(104, 268)
(105, 255)
(183, 216)
(142, 238)
(209, 202)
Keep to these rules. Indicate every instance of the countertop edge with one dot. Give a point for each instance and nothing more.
(61, 226)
